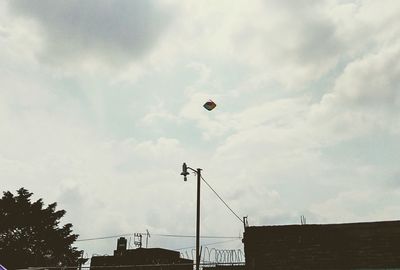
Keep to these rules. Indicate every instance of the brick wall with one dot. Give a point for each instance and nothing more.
(372, 245)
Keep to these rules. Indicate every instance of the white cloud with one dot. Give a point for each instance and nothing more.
(108, 144)
(365, 97)
(372, 80)
(359, 204)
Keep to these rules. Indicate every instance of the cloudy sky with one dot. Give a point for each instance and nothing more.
(101, 102)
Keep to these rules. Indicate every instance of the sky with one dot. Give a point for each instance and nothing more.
(101, 103)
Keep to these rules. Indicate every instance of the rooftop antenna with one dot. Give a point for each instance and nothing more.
(303, 220)
(137, 240)
(147, 237)
(245, 222)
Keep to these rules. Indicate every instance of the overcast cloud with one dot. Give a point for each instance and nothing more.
(101, 102)
(112, 31)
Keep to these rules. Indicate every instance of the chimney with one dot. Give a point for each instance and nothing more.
(121, 244)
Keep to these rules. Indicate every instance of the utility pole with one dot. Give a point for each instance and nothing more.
(198, 220)
(147, 237)
(198, 172)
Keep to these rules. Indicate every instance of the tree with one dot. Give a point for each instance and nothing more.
(31, 235)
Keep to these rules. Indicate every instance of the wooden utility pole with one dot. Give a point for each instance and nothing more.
(198, 173)
(198, 220)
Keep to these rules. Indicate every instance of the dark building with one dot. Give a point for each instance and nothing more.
(370, 245)
(141, 258)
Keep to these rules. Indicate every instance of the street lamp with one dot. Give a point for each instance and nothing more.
(198, 173)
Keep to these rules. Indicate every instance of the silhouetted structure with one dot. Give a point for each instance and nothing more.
(371, 245)
(141, 258)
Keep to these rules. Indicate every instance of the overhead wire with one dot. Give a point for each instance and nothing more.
(222, 200)
(103, 237)
(193, 236)
(208, 244)
(160, 235)
(178, 235)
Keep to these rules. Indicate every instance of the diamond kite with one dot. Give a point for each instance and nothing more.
(209, 105)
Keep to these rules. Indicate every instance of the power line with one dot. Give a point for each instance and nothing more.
(177, 235)
(222, 200)
(103, 237)
(160, 235)
(192, 236)
(208, 244)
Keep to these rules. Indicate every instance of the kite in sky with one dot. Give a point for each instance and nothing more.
(209, 105)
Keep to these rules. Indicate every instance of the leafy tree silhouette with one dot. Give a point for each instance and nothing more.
(30, 235)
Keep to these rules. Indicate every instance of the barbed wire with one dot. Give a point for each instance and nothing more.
(217, 256)
(208, 244)
(126, 266)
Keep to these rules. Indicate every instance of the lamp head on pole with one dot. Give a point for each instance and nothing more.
(184, 172)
